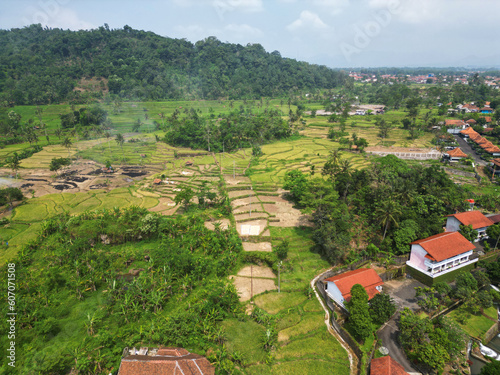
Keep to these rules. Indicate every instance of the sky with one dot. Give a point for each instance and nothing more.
(335, 33)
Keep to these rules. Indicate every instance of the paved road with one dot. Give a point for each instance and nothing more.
(389, 337)
(403, 294)
(464, 145)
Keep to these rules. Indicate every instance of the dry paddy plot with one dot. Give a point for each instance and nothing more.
(251, 228)
(253, 280)
(258, 246)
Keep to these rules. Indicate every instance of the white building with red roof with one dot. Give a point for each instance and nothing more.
(478, 221)
(456, 154)
(440, 254)
(339, 287)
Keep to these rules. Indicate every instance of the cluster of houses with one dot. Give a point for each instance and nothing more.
(482, 142)
(429, 259)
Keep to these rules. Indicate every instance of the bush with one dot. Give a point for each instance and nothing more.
(281, 250)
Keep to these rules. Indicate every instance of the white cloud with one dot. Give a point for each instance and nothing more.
(223, 6)
(334, 6)
(307, 20)
(411, 11)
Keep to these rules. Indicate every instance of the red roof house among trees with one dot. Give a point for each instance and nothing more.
(439, 254)
(163, 361)
(386, 366)
(456, 154)
(339, 287)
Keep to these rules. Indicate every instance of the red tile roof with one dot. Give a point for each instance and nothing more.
(167, 361)
(474, 218)
(496, 162)
(367, 277)
(445, 245)
(495, 218)
(457, 153)
(157, 181)
(471, 121)
(487, 119)
(468, 131)
(386, 366)
(454, 122)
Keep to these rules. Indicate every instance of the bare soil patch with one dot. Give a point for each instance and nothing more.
(247, 208)
(245, 201)
(251, 228)
(235, 181)
(257, 271)
(258, 246)
(254, 215)
(238, 193)
(247, 286)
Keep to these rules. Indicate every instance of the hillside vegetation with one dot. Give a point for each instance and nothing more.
(42, 66)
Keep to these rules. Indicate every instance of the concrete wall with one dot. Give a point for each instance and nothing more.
(452, 224)
(417, 257)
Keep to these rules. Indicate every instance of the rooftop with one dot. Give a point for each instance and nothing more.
(367, 277)
(164, 361)
(474, 218)
(457, 153)
(445, 245)
(386, 366)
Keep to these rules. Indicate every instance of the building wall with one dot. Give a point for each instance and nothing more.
(452, 224)
(417, 257)
(334, 293)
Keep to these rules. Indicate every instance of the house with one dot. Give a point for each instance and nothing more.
(339, 287)
(455, 126)
(467, 132)
(157, 181)
(386, 366)
(438, 255)
(163, 361)
(189, 163)
(494, 218)
(471, 122)
(360, 112)
(456, 154)
(486, 110)
(478, 221)
(469, 108)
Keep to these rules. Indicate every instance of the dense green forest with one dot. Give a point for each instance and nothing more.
(390, 204)
(79, 306)
(42, 66)
(238, 129)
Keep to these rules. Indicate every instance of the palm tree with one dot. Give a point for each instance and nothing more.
(388, 212)
(120, 141)
(67, 143)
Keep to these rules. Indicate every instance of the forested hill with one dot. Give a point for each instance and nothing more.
(41, 66)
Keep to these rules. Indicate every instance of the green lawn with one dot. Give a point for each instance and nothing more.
(477, 325)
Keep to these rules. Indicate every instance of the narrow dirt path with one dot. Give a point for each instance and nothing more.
(332, 331)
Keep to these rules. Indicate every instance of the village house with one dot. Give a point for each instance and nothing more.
(478, 221)
(455, 155)
(486, 110)
(438, 255)
(339, 287)
(455, 126)
(386, 366)
(163, 361)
